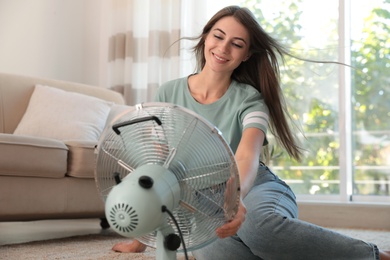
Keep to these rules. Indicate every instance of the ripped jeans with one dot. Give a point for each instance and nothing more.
(271, 231)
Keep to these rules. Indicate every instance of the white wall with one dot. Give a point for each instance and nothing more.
(59, 39)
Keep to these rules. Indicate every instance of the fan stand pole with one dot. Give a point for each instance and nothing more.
(162, 252)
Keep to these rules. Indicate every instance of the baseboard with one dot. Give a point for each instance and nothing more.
(346, 215)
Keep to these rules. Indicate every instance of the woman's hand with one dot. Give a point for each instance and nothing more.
(231, 228)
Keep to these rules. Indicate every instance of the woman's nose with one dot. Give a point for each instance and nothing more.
(224, 46)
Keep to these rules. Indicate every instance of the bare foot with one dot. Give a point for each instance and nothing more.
(134, 246)
(384, 255)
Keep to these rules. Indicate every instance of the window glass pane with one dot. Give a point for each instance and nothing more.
(310, 30)
(370, 55)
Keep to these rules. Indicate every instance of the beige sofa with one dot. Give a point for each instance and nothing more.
(47, 177)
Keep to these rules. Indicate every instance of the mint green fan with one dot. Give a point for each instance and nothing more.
(167, 177)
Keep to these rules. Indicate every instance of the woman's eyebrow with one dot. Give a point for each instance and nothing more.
(237, 38)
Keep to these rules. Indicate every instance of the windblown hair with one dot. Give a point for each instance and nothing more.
(261, 71)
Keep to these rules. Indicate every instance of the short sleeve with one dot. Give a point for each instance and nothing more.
(255, 114)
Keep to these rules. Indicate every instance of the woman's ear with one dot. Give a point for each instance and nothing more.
(247, 57)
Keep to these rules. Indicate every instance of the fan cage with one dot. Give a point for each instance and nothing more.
(188, 146)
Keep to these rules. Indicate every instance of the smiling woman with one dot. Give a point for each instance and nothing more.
(246, 101)
(227, 42)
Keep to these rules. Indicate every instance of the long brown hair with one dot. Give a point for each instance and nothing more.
(261, 71)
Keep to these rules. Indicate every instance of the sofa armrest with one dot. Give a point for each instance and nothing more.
(81, 158)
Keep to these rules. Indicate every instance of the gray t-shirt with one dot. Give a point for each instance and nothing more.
(241, 107)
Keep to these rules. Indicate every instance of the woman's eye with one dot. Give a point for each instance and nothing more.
(238, 45)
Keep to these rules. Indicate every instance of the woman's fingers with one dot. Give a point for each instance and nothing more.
(231, 228)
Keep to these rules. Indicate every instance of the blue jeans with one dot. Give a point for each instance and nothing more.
(272, 231)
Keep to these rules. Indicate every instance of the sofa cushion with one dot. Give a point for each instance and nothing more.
(82, 154)
(32, 156)
(81, 159)
(58, 114)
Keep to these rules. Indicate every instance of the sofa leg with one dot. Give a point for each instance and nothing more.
(104, 223)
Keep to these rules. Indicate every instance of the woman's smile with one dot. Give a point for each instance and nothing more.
(219, 58)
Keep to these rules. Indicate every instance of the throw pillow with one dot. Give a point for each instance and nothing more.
(63, 115)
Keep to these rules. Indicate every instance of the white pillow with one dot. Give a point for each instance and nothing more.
(116, 112)
(58, 114)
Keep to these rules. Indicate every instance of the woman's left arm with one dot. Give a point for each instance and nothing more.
(247, 158)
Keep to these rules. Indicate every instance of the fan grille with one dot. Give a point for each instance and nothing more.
(188, 146)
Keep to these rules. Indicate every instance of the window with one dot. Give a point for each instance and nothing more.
(344, 112)
(370, 54)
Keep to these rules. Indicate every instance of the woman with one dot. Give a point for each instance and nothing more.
(237, 89)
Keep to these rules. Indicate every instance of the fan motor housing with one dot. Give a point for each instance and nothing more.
(129, 202)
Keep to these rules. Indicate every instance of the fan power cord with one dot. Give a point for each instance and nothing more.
(165, 209)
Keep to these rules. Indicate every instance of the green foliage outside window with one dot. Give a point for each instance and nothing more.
(316, 110)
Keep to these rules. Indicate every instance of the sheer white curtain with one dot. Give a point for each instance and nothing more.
(194, 17)
(140, 53)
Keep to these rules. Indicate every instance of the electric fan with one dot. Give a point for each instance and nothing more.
(167, 176)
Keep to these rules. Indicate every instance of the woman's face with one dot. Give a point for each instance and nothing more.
(226, 45)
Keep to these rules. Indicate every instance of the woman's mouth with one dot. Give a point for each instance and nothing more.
(219, 58)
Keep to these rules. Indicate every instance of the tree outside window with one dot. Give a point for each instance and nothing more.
(311, 90)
